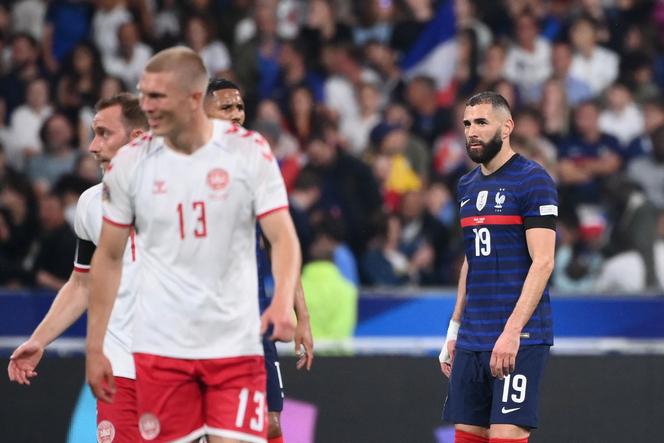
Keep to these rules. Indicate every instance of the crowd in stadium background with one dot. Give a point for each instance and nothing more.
(362, 104)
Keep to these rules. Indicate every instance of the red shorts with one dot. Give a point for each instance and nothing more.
(118, 421)
(181, 400)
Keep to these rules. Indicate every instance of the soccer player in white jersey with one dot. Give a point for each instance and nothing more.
(118, 120)
(224, 101)
(193, 190)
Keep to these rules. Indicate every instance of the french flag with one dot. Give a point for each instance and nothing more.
(434, 52)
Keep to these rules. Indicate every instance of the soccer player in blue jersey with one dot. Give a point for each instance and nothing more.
(501, 330)
(224, 101)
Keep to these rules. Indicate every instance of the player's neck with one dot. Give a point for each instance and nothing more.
(499, 160)
(193, 138)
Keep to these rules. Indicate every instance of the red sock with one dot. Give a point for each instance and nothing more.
(508, 440)
(467, 437)
(279, 439)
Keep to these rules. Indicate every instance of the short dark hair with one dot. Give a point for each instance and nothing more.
(132, 114)
(217, 84)
(492, 98)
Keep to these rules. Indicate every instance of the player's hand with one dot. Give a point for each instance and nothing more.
(447, 358)
(24, 361)
(282, 321)
(503, 357)
(100, 376)
(304, 344)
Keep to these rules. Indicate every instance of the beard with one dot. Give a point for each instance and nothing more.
(488, 151)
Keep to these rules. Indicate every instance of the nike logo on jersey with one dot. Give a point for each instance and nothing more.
(464, 202)
(507, 411)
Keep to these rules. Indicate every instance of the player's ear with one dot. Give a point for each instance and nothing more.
(197, 99)
(508, 127)
(135, 133)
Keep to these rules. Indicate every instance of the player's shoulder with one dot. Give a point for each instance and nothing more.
(530, 169)
(89, 196)
(468, 177)
(138, 149)
(238, 139)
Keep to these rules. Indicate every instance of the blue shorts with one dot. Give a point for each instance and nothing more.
(477, 398)
(275, 387)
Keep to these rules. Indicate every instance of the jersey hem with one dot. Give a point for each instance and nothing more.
(259, 216)
(114, 223)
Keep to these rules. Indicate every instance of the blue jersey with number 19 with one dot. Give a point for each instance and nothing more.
(495, 211)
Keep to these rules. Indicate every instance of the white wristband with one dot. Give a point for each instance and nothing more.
(452, 332)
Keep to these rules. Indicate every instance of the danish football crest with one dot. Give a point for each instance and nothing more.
(481, 200)
(217, 179)
(149, 426)
(105, 432)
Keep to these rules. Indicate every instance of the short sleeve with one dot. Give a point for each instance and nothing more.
(540, 197)
(116, 197)
(269, 188)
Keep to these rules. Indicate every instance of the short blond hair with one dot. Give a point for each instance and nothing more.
(186, 64)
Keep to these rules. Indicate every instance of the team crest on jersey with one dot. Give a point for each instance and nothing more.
(105, 432)
(481, 200)
(217, 179)
(500, 199)
(149, 426)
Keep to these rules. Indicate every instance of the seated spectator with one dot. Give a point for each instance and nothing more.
(302, 200)
(59, 156)
(215, 55)
(331, 299)
(57, 243)
(577, 89)
(128, 61)
(27, 120)
(586, 158)
(592, 64)
(653, 117)
(622, 119)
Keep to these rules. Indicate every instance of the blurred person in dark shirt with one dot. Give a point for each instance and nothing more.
(56, 245)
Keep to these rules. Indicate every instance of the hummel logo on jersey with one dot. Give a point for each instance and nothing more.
(507, 411)
(463, 203)
(159, 187)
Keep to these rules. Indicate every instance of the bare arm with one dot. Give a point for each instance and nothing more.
(67, 307)
(541, 247)
(285, 257)
(303, 336)
(607, 164)
(106, 270)
(446, 357)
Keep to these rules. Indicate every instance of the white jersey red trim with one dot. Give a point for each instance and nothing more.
(117, 342)
(195, 215)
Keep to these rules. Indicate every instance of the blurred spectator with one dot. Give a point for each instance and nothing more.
(653, 118)
(108, 16)
(638, 71)
(528, 125)
(59, 155)
(556, 112)
(492, 67)
(577, 89)
(528, 60)
(302, 200)
(429, 120)
(167, 23)
(80, 79)
(28, 16)
(322, 28)
(375, 18)
(384, 264)
(199, 37)
(56, 245)
(331, 299)
(331, 231)
(425, 240)
(302, 117)
(383, 60)
(449, 160)
(648, 170)
(26, 122)
(622, 118)
(586, 158)
(593, 64)
(294, 73)
(132, 54)
(347, 188)
(12, 158)
(23, 68)
(357, 131)
(391, 142)
(12, 273)
(67, 23)
(466, 73)
(466, 19)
